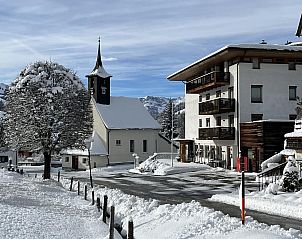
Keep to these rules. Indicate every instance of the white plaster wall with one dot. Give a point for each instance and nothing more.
(122, 153)
(99, 126)
(100, 161)
(275, 78)
(191, 116)
(66, 164)
(164, 146)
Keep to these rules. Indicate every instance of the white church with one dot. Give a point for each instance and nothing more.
(121, 127)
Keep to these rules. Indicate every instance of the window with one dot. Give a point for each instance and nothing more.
(84, 160)
(206, 151)
(256, 93)
(267, 60)
(103, 90)
(66, 159)
(218, 121)
(208, 96)
(292, 92)
(201, 151)
(200, 98)
(256, 63)
(200, 122)
(218, 93)
(145, 148)
(3, 159)
(231, 120)
(231, 92)
(131, 146)
(255, 117)
(118, 142)
(207, 122)
(292, 117)
(291, 65)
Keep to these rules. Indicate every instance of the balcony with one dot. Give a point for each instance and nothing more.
(294, 143)
(217, 106)
(218, 133)
(208, 81)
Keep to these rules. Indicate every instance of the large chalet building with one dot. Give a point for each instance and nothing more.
(240, 100)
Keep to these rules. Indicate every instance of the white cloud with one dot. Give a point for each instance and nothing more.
(149, 39)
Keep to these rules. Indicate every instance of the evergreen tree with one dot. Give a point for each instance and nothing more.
(165, 119)
(290, 178)
(47, 109)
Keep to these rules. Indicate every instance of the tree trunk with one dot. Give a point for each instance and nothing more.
(47, 161)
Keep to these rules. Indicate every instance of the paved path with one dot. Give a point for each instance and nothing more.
(185, 187)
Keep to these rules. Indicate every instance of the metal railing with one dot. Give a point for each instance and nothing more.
(219, 133)
(208, 79)
(217, 106)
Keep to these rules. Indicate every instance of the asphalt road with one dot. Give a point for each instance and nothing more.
(185, 187)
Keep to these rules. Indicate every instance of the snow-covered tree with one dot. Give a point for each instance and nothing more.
(299, 108)
(290, 178)
(165, 119)
(47, 109)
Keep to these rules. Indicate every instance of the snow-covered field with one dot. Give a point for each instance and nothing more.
(32, 208)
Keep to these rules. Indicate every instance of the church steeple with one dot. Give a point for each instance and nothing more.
(98, 58)
(99, 81)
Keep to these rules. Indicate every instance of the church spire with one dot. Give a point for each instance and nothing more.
(98, 58)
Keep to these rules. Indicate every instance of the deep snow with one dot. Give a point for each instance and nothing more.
(33, 208)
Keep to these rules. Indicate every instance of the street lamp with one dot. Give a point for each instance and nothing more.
(88, 146)
(172, 116)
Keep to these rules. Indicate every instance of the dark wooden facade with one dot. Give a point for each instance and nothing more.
(262, 139)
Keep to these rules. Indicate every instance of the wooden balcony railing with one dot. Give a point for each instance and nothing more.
(294, 143)
(208, 81)
(218, 133)
(217, 106)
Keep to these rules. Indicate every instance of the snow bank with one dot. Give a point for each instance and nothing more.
(274, 159)
(161, 167)
(185, 220)
(283, 204)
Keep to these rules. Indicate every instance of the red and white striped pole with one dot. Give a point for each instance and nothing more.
(242, 198)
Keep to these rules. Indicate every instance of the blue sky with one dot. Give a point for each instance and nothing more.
(142, 41)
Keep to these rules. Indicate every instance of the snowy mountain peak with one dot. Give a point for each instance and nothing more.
(156, 104)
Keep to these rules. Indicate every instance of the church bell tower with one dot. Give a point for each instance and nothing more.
(99, 81)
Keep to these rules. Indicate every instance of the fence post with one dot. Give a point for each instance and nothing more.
(242, 198)
(59, 176)
(98, 203)
(71, 182)
(105, 202)
(111, 225)
(130, 229)
(92, 197)
(79, 189)
(85, 192)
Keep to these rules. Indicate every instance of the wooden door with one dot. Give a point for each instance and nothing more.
(75, 162)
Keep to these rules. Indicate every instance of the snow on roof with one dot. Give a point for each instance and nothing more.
(101, 72)
(242, 46)
(126, 113)
(96, 148)
(297, 133)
